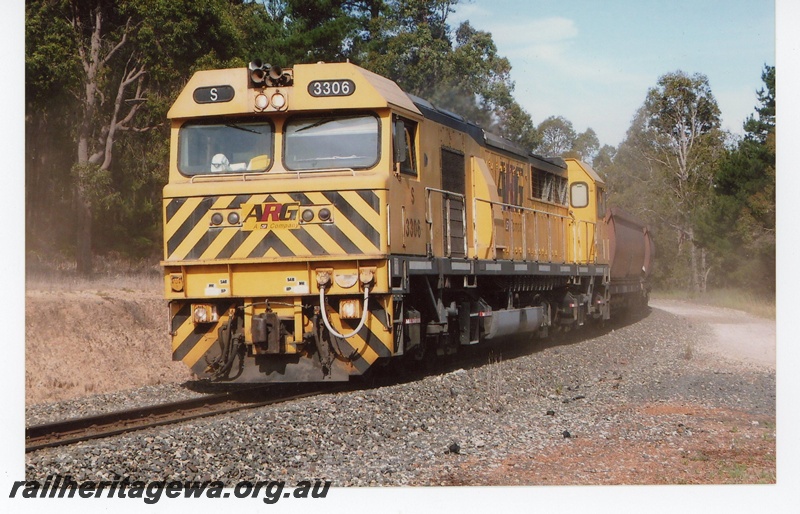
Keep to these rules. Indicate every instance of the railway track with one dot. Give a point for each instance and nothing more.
(75, 430)
(60, 433)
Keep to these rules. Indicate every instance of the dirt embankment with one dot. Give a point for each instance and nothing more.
(95, 341)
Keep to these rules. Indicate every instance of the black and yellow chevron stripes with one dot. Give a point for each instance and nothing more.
(356, 228)
(197, 344)
(191, 342)
(371, 342)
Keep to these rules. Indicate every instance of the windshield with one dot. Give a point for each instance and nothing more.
(331, 142)
(234, 147)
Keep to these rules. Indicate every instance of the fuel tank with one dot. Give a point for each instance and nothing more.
(631, 248)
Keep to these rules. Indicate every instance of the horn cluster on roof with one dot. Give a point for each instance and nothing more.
(262, 74)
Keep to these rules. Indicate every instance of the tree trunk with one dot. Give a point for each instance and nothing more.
(706, 269)
(695, 265)
(83, 204)
(95, 140)
(83, 249)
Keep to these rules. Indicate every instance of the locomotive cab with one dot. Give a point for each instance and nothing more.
(275, 219)
(587, 201)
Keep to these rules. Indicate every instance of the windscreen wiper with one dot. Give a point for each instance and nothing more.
(316, 124)
(231, 125)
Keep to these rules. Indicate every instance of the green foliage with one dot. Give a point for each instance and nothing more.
(740, 223)
(409, 41)
(557, 137)
(178, 37)
(51, 64)
(457, 70)
(586, 145)
(51, 74)
(712, 209)
(515, 124)
(96, 183)
(681, 108)
(761, 128)
(132, 224)
(604, 159)
(319, 30)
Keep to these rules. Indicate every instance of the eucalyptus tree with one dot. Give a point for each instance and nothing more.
(558, 138)
(102, 87)
(105, 72)
(458, 69)
(586, 146)
(667, 162)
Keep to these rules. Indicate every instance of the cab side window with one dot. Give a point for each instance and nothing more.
(408, 165)
(601, 203)
(579, 194)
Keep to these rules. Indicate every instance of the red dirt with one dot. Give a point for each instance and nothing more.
(692, 453)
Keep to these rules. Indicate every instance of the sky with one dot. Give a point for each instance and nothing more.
(593, 61)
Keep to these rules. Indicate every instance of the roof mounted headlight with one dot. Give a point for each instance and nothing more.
(278, 101)
(261, 101)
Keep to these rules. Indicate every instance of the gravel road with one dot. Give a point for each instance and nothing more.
(735, 335)
(645, 401)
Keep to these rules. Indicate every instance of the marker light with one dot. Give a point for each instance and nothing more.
(350, 309)
(204, 313)
(308, 215)
(324, 214)
(233, 218)
(176, 281)
(216, 219)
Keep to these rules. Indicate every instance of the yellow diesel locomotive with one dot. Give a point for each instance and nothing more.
(319, 220)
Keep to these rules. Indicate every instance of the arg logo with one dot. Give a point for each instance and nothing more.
(270, 216)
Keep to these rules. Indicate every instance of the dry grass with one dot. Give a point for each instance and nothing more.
(762, 306)
(51, 281)
(58, 273)
(103, 334)
(495, 383)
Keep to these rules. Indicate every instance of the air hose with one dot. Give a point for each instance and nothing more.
(325, 314)
(229, 349)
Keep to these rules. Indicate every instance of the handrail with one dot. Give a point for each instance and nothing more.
(582, 230)
(524, 211)
(429, 220)
(590, 238)
(245, 176)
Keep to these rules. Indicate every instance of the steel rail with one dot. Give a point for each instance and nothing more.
(61, 433)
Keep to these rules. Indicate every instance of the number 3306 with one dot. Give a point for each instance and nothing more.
(343, 87)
